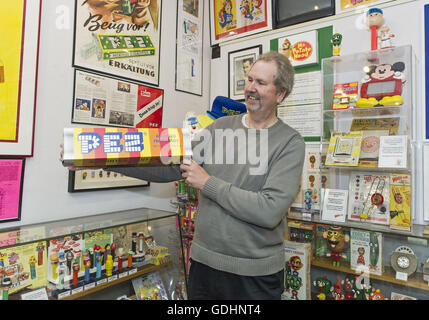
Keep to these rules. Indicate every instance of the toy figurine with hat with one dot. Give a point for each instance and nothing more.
(221, 107)
(374, 21)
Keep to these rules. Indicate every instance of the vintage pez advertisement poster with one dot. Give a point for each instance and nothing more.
(108, 101)
(119, 37)
(232, 19)
(19, 22)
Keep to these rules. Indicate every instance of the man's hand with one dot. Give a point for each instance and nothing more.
(194, 174)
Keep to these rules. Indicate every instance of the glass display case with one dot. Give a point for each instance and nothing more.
(364, 244)
(96, 256)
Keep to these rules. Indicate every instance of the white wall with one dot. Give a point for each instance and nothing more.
(406, 21)
(45, 195)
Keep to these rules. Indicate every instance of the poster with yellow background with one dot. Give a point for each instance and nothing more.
(11, 21)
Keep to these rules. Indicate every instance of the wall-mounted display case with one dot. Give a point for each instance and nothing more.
(96, 256)
(365, 245)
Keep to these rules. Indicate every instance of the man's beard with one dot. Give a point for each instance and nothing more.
(251, 102)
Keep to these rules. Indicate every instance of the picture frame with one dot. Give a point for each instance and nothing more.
(99, 179)
(119, 39)
(11, 188)
(239, 64)
(232, 19)
(19, 60)
(349, 5)
(189, 46)
(114, 102)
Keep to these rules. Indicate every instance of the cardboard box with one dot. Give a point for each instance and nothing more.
(101, 147)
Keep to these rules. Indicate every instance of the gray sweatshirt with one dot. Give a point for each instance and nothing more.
(255, 175)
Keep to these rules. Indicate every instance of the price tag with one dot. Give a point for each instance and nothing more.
(123, 274)
(112, 278)
(402, 276)
(101, 281)
(64, 294)
(77, 290)
(132, 271)
(89, 286)
(35, 295)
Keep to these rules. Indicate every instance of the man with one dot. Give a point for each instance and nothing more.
(237, 250)
(247, 64)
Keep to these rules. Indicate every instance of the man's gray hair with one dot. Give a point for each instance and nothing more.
(284, 78)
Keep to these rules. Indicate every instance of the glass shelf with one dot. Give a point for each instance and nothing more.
(416, 230)
(49, 230)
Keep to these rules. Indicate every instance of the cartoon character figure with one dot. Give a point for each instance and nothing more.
(336, 43)
(374, 251)
(376, 295)
(245, 9)
(307, 199)
(385, 37)
(295, 263)
(286, 48)
(348, 284)
(40, 247)
(372, 93)
(13, 258)
(374, 20)
(295, 284)
(2, 258)
(323, 286)
(32, 262)
(336, 293)
(336, 239)
(225, 15)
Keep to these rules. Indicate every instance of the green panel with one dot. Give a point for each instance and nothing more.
(274, 45)
(325, 49)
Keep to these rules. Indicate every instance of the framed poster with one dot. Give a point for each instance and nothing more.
(349, 5)
(99, 179)
(231, 19)
(119, 37)
(11, 182)
(189, 46)
(19, 57)
(301, 49)
(107, 101)
(239, 64)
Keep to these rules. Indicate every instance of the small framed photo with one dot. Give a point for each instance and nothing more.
(99, 179)
(11, 182)
(239, 64)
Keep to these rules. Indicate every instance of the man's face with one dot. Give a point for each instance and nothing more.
(246, 67)
(260, 92)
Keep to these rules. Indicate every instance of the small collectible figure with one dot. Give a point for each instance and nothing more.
(69, 258)
(377, 295)
(54, 260)
(308, 200)
(5, 285)
(134, 242)
(109, 265)
(87, 263)
(336, 239)
(32, 262)
(40, 248)
(85, 254)
(3, 256)
(119, 253)
(323, 286)
(113, 250)
(336, 43)
(99, 261)
(385, 37)
(337, 294)
(130, 258)
(62, 274)
(374, 21)
(76, 268)
(348, 284)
